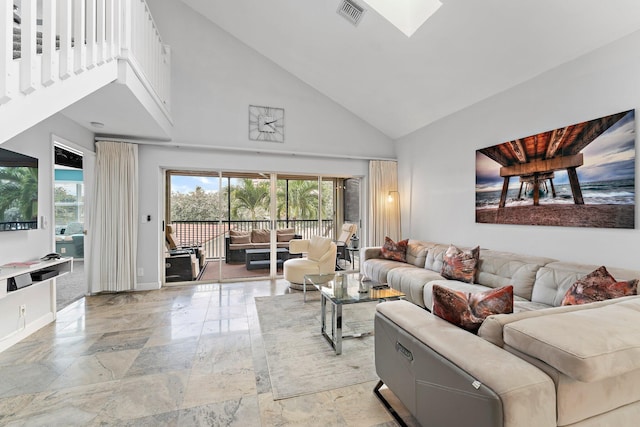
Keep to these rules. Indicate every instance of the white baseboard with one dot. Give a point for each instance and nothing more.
(30, 328)
(151, 286)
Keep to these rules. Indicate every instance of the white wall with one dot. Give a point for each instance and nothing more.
(215, 78)
(437, 163)
(32, 244)
(153, 160)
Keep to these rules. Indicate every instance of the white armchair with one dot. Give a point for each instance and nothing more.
(320, 259)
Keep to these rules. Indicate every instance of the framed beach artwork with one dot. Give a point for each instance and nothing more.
(581, 175)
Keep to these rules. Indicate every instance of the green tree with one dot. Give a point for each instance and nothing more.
(197, 205)
(64, 214)
(19, 190)
(250, 200)
(303, 199)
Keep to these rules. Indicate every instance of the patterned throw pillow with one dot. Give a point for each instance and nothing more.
(460, 265)
(598, 285)
(468, 310)
(396, 251)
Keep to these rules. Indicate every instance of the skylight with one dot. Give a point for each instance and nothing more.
(406, 15)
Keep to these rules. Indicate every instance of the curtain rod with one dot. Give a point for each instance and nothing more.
(169, 144)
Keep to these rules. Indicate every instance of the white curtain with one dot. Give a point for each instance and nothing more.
(115, 212)
(384, 214)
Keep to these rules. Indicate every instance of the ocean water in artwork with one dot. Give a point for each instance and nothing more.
(615, 192)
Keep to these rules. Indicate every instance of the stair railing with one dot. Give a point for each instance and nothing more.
(66, 38)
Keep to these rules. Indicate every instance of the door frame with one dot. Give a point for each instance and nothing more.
(88, 164)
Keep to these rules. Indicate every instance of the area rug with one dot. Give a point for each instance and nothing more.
(300, 359)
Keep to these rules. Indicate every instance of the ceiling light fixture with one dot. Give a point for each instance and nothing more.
(97, 125)
(406, 15)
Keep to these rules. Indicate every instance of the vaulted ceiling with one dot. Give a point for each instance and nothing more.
(467, 51)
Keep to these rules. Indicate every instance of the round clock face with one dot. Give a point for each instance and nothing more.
(266, 124)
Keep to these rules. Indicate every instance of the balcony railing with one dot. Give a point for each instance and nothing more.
(211, 234)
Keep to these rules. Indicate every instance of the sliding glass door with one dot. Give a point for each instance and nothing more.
(241, 221)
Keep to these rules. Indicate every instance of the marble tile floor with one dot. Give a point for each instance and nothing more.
(180, 356)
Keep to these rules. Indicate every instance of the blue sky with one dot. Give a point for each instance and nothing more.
(610, 156)
(186, 184)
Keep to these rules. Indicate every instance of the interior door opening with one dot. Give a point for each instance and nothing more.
(69, 220)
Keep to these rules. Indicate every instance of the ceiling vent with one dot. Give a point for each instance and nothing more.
(351, 11)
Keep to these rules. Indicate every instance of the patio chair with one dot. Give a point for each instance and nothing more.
(320, 259)
(344, 239)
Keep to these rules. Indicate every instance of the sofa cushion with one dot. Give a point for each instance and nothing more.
(377, 269)
(492, 328)
(240, 237)
(598, 285)
(468, 310)
(497, 268)
(285, 234)
(396, 251)
(435, 257)
(260, 235)
(411, 281)
(554, 279)
(586, 345)
(416, 253)
(460, 265)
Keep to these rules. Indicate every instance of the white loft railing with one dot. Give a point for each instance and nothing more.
(62, 39)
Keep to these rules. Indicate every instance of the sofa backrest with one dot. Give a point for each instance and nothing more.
(497, 269)
(435, 255)
(417, 252)
(554, 279)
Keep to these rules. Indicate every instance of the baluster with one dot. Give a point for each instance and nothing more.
(108, 52)
(100, 31)
(90, 33)
(6, 50)
(79, 26)
(64, 30)
(28, 52)
(117, 28)
(49, 62)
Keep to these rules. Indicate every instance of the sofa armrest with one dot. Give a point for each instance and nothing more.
(370, 253)
(527, 394)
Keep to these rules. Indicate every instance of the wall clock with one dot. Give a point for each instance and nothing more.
(266, 123)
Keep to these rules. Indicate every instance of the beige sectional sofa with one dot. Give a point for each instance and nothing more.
(543, 365)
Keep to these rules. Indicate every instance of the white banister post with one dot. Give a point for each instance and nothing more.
(64, 29)
(90, 33)
(100, 30)
(79, 25)
(28, 53)
(6, 50)
(49, 63)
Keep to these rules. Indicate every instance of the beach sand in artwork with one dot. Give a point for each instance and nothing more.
(602, 216)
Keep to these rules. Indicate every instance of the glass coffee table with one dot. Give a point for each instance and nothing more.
(345, 288)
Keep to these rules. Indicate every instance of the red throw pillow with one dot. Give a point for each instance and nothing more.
(598, 285)
(468, 310)
(395, 251)
(460, 265)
